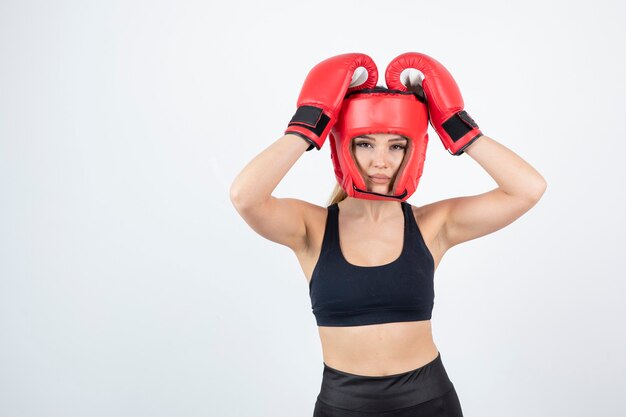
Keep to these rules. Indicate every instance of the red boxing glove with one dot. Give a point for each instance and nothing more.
(322, 94)
(456, 129)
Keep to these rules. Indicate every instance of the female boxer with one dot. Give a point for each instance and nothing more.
(370, 257)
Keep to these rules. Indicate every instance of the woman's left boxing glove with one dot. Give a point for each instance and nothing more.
(456, 129)
(322, 94)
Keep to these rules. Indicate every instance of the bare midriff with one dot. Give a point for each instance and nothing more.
(378, 349)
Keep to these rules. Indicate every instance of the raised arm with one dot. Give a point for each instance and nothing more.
(283, 220)
(520, 187)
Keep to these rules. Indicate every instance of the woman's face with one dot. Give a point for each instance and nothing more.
(379, 155)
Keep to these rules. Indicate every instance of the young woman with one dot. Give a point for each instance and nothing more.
(370, 257)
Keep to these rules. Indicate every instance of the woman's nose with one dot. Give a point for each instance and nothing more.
(380, 158)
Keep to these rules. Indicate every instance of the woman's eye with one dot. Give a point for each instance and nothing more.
(366, 144)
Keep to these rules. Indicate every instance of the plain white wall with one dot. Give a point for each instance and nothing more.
(129, 285)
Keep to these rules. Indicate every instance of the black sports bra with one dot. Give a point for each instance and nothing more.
(343, 294)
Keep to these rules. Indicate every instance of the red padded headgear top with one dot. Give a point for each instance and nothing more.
(380, 110)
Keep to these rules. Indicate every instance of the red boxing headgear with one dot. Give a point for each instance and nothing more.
(380, 110)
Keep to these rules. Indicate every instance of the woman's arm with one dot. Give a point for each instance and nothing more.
(258, 179)
(520, 187)
(284, 220)
(513, 175)
(281, 220)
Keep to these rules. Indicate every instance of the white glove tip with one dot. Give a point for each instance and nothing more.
(411, 76)
(359, 77)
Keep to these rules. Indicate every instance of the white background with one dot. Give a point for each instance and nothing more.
(129, 285)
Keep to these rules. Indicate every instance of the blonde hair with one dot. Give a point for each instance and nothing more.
(338, 194)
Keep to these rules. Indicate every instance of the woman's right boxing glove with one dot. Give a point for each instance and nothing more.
(322, 94)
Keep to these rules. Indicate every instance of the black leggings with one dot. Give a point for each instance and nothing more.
(423, 392)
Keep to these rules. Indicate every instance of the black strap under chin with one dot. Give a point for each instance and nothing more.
(399, 197)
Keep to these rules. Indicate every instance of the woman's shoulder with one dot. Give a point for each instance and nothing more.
(431, 219)
(315, 221)
(431, 210)
(309, 207)
(435, 212)
(312, 213)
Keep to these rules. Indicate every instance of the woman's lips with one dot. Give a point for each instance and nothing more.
(379, 180)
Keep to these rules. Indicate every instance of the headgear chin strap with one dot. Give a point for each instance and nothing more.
(380, 110)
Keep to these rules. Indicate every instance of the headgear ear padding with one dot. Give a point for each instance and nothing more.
(380, 110)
